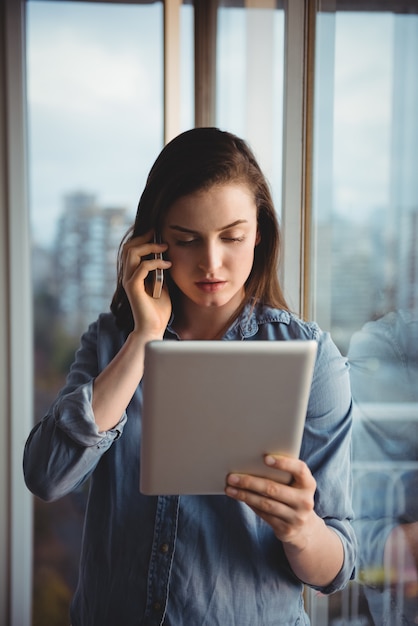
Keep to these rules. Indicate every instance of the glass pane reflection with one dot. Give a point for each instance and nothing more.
(365, 277)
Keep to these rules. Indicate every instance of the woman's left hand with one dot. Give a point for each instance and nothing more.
(314, 551)
(287, 508)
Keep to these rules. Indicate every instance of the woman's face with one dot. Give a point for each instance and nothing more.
(211, 236)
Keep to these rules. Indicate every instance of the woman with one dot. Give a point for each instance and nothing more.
(240, 559)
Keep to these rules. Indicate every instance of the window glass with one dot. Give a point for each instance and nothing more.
(186, 66)
(365, 286)
(95, 116)
(249, 80)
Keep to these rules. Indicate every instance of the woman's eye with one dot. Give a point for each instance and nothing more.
(195, 240)
(185, 242)
(233, 239)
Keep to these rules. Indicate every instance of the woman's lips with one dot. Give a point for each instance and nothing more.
(210, 286)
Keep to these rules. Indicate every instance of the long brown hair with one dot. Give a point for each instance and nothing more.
(196, 160)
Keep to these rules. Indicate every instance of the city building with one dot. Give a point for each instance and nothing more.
(85, 254)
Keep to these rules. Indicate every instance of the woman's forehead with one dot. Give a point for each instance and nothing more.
(220, 205)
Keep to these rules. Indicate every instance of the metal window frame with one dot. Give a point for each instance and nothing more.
(297, 151)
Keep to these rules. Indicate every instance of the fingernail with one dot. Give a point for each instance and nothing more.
(269, 460)
(233, 478)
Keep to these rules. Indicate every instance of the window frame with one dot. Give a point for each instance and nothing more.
(16, 325)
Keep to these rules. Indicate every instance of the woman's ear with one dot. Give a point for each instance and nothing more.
(257, 237)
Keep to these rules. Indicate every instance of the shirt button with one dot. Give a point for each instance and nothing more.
(164, 547)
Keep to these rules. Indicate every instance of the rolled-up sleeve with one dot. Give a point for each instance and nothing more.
(73, 414)
(64, 448)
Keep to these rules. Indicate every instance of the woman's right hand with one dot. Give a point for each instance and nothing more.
(151, 315)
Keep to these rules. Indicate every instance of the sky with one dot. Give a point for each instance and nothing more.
(95, 93)
(94, 76)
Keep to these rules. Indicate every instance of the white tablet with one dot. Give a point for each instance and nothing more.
(215, 407)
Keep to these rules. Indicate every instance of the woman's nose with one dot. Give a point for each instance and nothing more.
(211, 258)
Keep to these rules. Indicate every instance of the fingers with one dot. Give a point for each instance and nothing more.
(301, 478)
(286, 507)
(138, 259)
(145, 243)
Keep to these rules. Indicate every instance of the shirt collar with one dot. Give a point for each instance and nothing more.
(247, 323)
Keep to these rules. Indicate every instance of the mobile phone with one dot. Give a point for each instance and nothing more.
(158, 274)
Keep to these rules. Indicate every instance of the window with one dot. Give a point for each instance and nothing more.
(364, 281)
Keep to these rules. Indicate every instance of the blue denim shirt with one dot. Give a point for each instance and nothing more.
(189, 560)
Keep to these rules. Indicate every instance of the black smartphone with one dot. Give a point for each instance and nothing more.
(158, 274)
